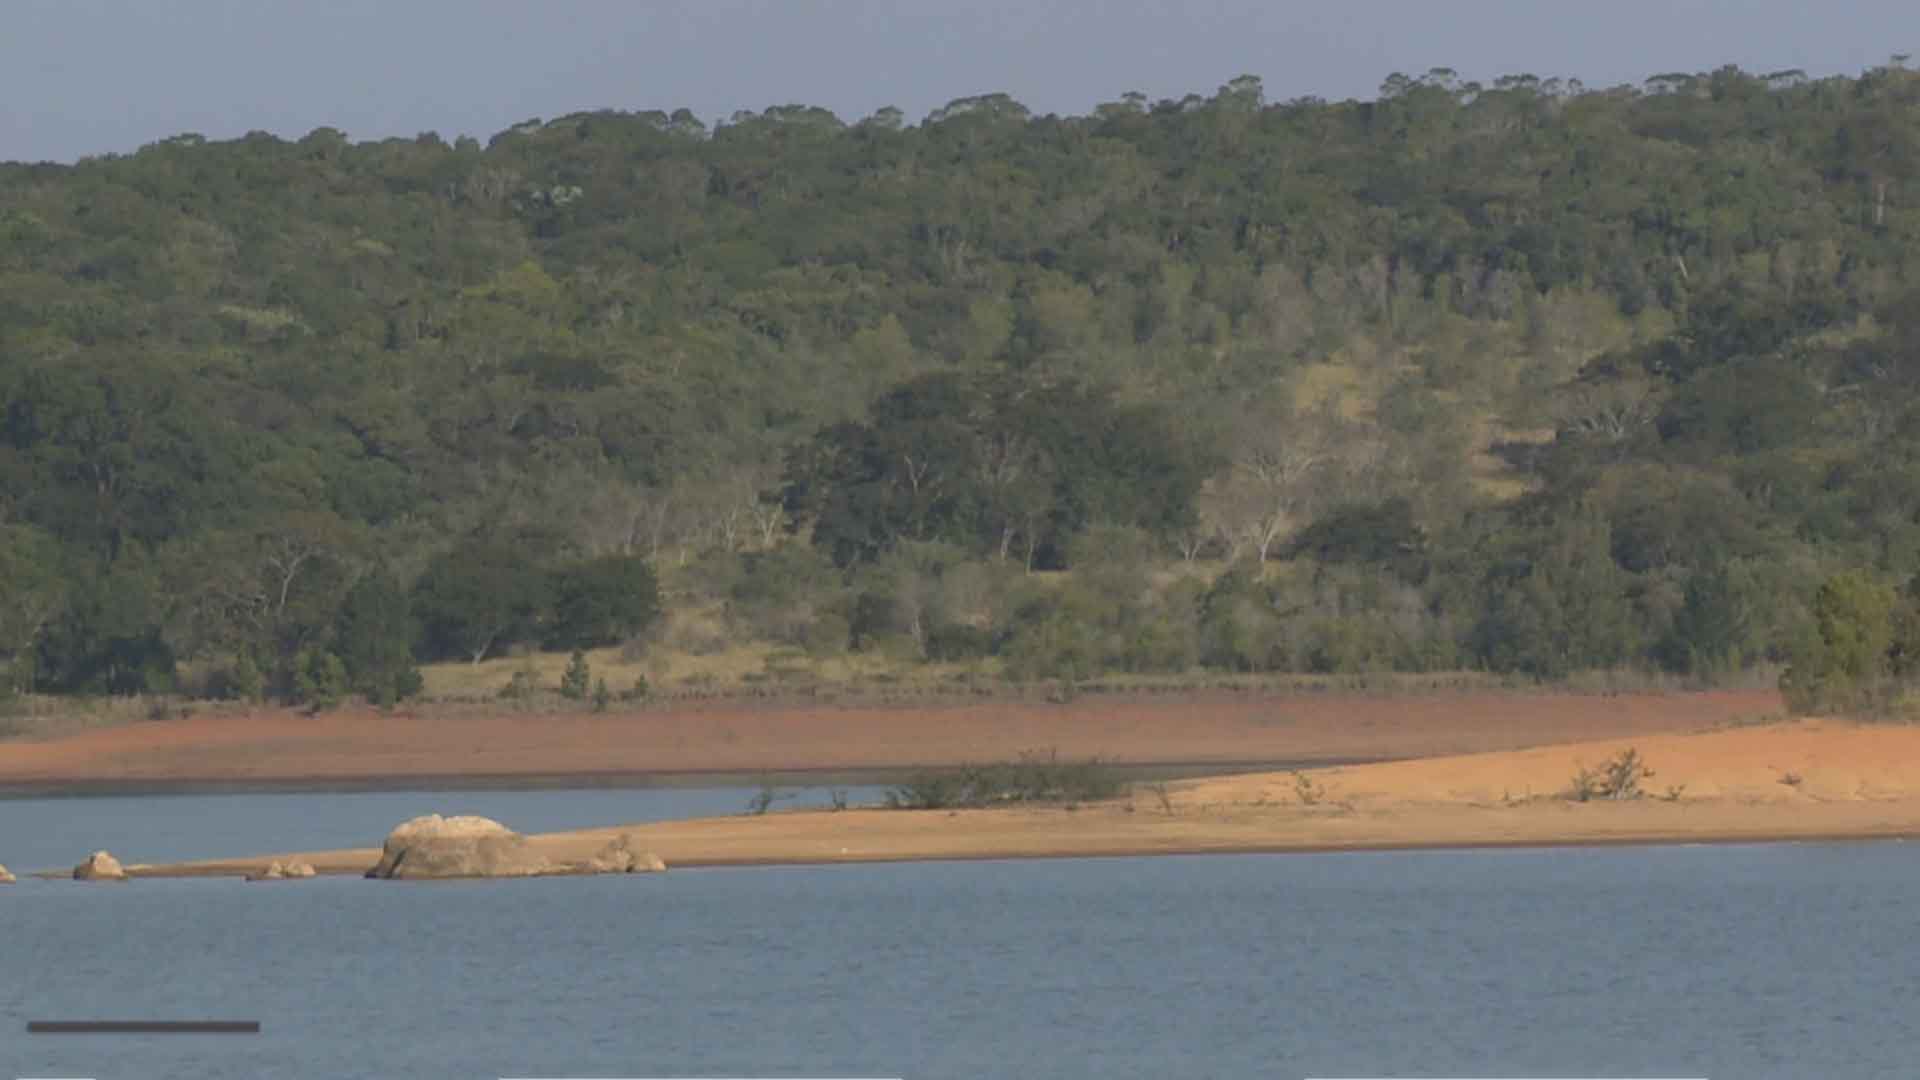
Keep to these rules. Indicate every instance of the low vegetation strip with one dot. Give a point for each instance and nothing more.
(1033, 777)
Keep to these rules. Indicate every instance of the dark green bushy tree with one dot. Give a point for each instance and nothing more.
(1844, 661)
(108, 638)
(478, 598)
(1000, 463)
(319, 679)
(374, 638)
(1558, 604)
(601, 602)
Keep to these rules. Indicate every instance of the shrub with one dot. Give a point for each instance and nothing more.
(1309, 791)
(1844, 661)
(476, 599)
(240, 681)
(1616, 778)
(575, 683)
(958, 641)
(601, 601)
(319, 679)
(522, 685)
(763, 800)
(374, 635)
(1031, 778)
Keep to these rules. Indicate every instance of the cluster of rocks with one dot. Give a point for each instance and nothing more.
(278, 871)
(618, 857)
(434, 847)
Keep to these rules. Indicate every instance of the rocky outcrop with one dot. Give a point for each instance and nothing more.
(456, 847)
(618, 857)
(273, 872)
(100, 866)
(278, 871)
(5, 877)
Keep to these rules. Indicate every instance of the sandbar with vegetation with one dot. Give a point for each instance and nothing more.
(1810, 780)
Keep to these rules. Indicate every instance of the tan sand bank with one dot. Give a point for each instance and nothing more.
(266, 747)
(1813, 780)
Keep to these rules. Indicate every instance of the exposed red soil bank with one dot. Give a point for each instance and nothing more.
(451, 742)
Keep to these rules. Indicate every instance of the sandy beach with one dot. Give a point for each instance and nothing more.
(1812, 780)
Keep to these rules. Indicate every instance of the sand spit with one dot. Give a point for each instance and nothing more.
(1806, 781)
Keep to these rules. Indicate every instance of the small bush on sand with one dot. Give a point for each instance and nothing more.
(1164, 796)
(1617, 778)
(1309, 791)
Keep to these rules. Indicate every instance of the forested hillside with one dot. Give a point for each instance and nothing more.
(1523, 377)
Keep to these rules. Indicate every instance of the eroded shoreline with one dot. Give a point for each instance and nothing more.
(450, 746)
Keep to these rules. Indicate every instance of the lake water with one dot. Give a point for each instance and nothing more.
(1729, 962)
(45, 833)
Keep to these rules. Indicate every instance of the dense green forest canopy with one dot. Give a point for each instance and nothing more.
(1521, 376)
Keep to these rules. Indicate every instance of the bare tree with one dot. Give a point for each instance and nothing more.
(1611, 410)
(1276, 455)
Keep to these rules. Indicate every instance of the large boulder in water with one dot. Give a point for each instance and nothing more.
(5, 877)
(100, 866)
(456, 847)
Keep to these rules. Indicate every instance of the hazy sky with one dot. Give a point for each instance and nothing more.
(84, 76)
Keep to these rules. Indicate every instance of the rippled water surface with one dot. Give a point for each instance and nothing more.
(1746, 961)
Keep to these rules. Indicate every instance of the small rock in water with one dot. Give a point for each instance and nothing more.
(100, 866)
(612, 859)
(618, 857)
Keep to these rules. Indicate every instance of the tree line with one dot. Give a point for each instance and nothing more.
(1522, 376)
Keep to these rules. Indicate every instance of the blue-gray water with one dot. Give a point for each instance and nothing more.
(1728, 962)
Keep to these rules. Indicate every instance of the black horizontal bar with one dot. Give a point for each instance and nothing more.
(143, 1027)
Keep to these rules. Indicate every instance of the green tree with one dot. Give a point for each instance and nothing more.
(602, 601)
(1559, 604)
(478, 598)
(990, 463)
(374, 637)
(578, 677)
(319, 679)
(33, 592)
(1845, 660)
(108, 637)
